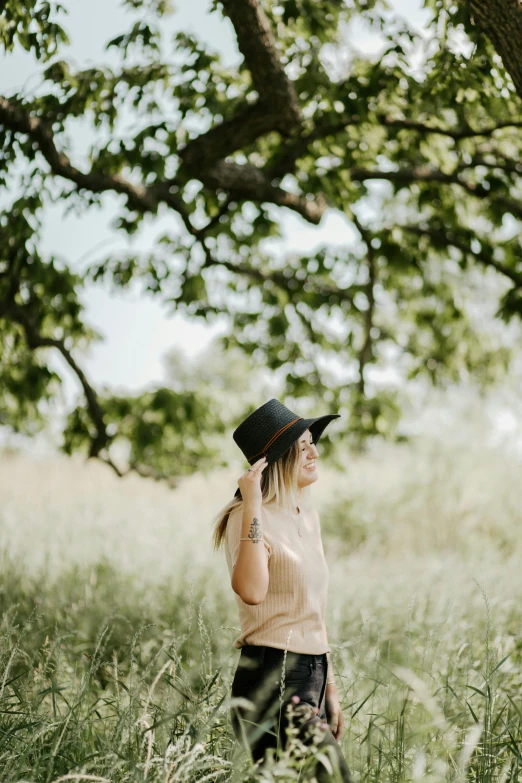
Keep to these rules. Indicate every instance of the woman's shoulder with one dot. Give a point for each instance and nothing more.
(304, 505)
(273, 509)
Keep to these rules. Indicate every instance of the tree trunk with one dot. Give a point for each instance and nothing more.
(501, 20)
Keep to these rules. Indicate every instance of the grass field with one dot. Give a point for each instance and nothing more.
(118, 619)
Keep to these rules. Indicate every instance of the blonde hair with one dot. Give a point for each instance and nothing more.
(278, 486)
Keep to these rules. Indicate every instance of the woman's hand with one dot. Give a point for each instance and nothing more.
(333, 711)
(250, 483)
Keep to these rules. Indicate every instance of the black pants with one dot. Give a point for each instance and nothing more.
(262, 724)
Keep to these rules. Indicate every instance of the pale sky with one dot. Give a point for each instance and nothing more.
(137, 330)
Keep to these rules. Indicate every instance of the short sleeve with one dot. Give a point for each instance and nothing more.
(233, 535)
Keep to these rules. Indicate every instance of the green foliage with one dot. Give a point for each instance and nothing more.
(32, 25)
(39, 304)
(169, 434)
(442, 140)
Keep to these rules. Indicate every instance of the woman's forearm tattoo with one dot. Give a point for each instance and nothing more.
(255, 530)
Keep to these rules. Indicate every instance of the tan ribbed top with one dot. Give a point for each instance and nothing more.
(292, 615)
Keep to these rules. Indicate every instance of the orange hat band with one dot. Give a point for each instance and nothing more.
(275, 437)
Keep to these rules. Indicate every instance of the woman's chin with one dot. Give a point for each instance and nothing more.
(309, 477)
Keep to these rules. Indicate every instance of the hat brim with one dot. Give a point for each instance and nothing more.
(316, 426)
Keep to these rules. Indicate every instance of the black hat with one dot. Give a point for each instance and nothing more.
(271, 429)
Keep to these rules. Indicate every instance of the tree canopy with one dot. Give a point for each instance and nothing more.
(418, 148)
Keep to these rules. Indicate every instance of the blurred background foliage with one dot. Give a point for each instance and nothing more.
(417, 148)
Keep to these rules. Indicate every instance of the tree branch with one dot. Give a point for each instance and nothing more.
(15, 118)
(322, 289)
(427, 174)
(242, 181)
(506, 164)
(457, 134)
(277, 109)
(248, 182)
(294, 148)
(229, 136)
(35, 340)
(102, 439)
(448, 238)
(257, 44)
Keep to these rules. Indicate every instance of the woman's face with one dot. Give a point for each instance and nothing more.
(308, 455)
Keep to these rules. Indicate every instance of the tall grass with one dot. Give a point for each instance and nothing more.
(116, 654)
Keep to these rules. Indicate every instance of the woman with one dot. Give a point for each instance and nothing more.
(279, 576)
